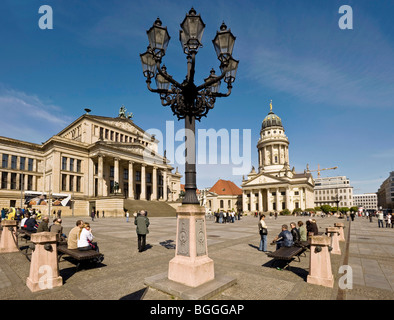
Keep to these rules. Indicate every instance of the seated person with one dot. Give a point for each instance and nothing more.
(57, 228)
(43, 226)
(72, 240)
(302, 231)
(85, 239)
(295, 233)
(31, 224)
(284, 239)
(23, 221)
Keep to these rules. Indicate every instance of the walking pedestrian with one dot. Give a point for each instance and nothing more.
(380, 218)
(263, 230)
(388, 222)
(142, 223)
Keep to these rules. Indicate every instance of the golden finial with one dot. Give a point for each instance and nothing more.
(271, 106)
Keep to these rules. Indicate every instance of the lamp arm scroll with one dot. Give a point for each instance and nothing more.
(167, 76)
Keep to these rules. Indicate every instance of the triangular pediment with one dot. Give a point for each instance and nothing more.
(124, 124)
(262, 179)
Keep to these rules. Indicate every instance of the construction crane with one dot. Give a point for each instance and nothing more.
(319, 169)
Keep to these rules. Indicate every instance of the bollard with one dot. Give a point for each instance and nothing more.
(334, 231)
(320, 272)
(341, 231)
(44, 267)
(9, 239)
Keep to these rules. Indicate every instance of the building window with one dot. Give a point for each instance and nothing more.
(148, 177)
(71, 183)
(4, 176)
(13, 162)
(111, 171)
(30, 165)
(5, 161)
(13, 181)
(106, 133)
(29, 182)
(138, 176)
(71, 164)
(221, 204)
(64, 163)
(297, 193)
(79, 162)
(22, 163)
(125, 174)
(64, 178)
(297, 205)
(229, 204)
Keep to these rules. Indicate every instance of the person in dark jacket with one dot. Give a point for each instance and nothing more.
(31, 224)
(43, 226)
(295, 233)
(142, 223)
(284, 239)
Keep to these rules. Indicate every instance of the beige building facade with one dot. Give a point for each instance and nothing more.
(274, 186)
(97, 162)
(332, 191)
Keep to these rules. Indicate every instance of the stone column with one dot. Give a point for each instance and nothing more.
(288, 198)
(252, 201)
(100, 181)
(165, 197)
(143, 182)
(9, 240)
(302, 199)
(191, 265)
(116, 173)
(261, 200)
(44, 268)
(278, 208)
(154, 183)
(341, 231)
(320, 272)
(131, 180)
(8, 180)
(333, 231)
(269, 200)
(244, 202)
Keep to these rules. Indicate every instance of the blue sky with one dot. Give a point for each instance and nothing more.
(333, 88)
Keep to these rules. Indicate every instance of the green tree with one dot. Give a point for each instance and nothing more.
(285, 212)
(343, 209)
(326, 208)
(317, 209)
(310, 210)
(297, 210)
(354, 209)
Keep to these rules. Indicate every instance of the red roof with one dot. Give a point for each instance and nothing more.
(226, 187)
(183, 189)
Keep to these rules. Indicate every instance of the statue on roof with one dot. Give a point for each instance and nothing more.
(122, 112)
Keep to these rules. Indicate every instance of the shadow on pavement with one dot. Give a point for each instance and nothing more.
(138, 295)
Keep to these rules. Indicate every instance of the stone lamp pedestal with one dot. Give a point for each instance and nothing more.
(341, 231)
(191, 265)
(334, 231)
(9, 239)
(320, 272)
(44, 268)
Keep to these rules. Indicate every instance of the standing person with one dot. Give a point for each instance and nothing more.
(380, 218)
(370, 217)
(276, 215)
(352, 215)
(59, 214)
(72, 240)
(263, 230)
(127, 216)
(142, 223)
(92, 214)
(97, 214)
(103, 214)
(388, 222)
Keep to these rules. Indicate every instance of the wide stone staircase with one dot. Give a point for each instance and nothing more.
(154, 208)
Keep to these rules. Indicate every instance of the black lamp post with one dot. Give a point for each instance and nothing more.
(187, 100)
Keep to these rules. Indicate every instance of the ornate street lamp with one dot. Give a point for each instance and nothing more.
(186, 100)
(191, 265)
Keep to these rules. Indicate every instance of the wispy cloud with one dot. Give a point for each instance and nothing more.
(27, 117)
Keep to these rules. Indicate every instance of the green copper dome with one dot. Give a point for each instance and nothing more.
(271, 120)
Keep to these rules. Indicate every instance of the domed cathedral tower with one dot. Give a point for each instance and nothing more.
(273, 145)
(275, 187)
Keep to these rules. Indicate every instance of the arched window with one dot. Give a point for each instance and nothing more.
(221, 204)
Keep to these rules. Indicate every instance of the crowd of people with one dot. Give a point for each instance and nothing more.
(226, 216)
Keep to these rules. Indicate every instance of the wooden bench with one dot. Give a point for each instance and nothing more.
(80, 256)
(287, 254)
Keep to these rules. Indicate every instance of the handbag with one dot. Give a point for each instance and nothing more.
(263, 231)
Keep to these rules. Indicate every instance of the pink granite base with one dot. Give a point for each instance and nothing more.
(9, 239)
(320, 272)
(191, 265)
(44, 270)
(341, 231)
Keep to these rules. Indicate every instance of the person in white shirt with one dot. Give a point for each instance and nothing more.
(23, 221)
(85, 239)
